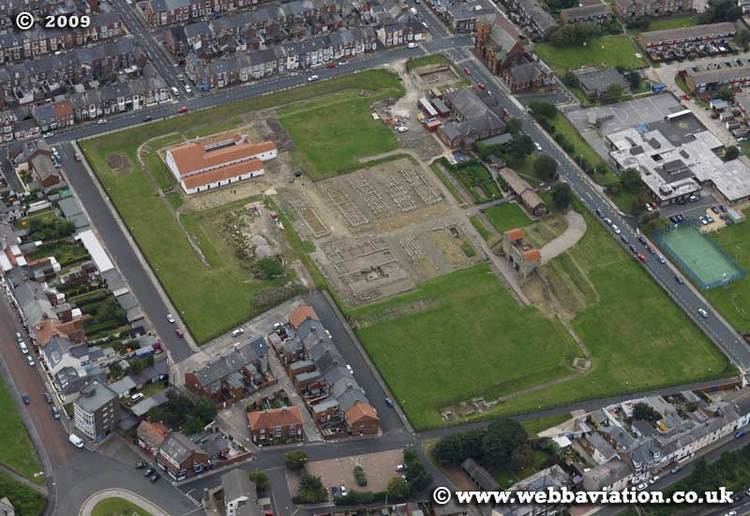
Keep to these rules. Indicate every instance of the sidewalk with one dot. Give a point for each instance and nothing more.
(88, 506)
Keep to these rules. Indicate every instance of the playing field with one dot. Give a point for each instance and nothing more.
(611, 51)
(458, 336)
(699, 256)
(733, 301)
(213, 293)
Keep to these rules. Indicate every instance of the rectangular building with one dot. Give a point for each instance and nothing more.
(96, 411)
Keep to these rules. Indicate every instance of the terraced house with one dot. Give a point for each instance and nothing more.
(638, 8)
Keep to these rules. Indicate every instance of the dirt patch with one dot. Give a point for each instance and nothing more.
(119, 163)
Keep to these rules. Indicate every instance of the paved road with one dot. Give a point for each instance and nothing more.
(689, 299)
(121, 251)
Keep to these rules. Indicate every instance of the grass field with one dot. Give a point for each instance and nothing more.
(210, 299)
(117, 507)
(676, 22)
(637, 337)
(617, 50)
(507, 216)
(418, 62)
(26, 501)
(17, 451)
(457, 336)
(331, 134)
(733, 301)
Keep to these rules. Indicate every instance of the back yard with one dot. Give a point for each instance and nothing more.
(212, 294)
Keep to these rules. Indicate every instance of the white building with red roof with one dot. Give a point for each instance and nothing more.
(209, 163)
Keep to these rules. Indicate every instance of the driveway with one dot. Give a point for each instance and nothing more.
(570, 237)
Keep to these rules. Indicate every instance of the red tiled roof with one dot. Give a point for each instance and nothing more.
(193, 156)
(360, 410)
(532, 255)
(301, 313)
(63, 109)
(223, 173)
(286, 416)
(48, 328)
(514, 234)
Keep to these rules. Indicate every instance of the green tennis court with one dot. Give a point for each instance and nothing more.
(699, 256)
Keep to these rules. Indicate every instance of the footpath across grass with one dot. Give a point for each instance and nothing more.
(733, 301)
(458, 336)
(214, 298)
(17, 451)
(638, 338)
(609, 51)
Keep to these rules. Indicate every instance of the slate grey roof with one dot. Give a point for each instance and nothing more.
(236, 484)
(479, 475)
(179, 447)
(253, 350)
(94, 396)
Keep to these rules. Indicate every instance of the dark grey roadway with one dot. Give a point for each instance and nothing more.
(121, 251)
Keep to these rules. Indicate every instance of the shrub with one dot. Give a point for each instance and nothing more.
(359, 476)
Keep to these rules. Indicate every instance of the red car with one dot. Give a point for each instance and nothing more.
(179, 333)
(642, 257)
(480, 85)
(467, 71)
(331, 65)
(183, 109)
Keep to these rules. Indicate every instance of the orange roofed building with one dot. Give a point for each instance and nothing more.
(301, 314)
(362, 419)
(275, 425)
(210, 163)
(524, 257)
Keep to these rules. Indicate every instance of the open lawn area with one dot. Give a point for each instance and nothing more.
(638, 338)
(117, 507)
(676, 22)
(331, 134)
(507, 216)
(26, 501)
(733, 301)
(213, 294)
(418, 62)
(17, 451)
(458, 336)
(617, 50)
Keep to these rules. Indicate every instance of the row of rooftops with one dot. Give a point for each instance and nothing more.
(696, 33)
(252, 353)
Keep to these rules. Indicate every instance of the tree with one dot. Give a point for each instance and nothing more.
(614, 91)
(269, 268)
(721, 11)
(573, 34)
(261, 481)
(416, 475)
(742, 39)
(631, 180)
(398, 488)
(295, 460)
(513, 125)
(311, 489)
(731, 152)
(453, 449)
(645, 412)
(501, 438)
(521, 458)
(543, 109)
(570, 79)
(545, 167)
(634, 79)
(562, 196)
(521, 146)
(725, 93)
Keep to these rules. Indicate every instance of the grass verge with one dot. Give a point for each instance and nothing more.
(25, 500)
(17, 452)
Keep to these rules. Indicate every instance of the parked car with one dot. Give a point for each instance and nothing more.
(313, 78)
(183, 109)
(149, 471)
(679, 280)
(19, 337)
(389, 402)
(642, 258)
(188, 89)
(344, 492)
(624, 239)
(55, 412)
(239, 331)
(411, 45)
(331, 65)
(400, 468)
(25, 398)
(179, 333)
(632, 249)
(47, 398)
(598, 212)
(30, 361)
(147, 118)
(154, 478)
(101, 121)
(335, 491)
(617, 230)
(642, 239)
(140, 465)
(661, 259)
(75, 440)
(170, 318)
(703, 313)
(537, 147)
(467, 71)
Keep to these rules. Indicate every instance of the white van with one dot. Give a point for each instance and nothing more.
(75, 440)
(23, 347)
